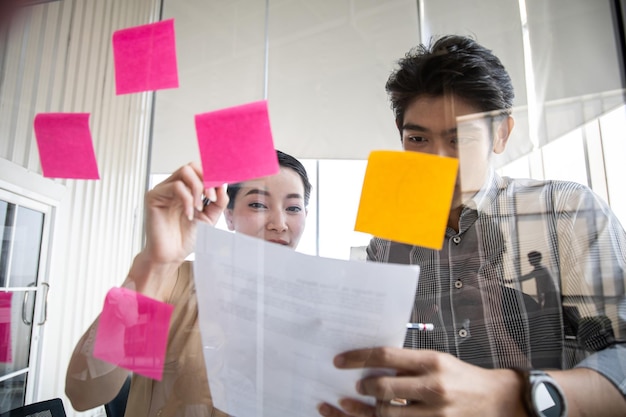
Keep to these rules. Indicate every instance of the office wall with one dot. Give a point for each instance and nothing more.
(321, 64)
(58, 58)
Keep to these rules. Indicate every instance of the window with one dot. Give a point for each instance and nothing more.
(24, 239)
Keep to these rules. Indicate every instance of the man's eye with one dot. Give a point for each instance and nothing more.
(416, 139)
(465, 140)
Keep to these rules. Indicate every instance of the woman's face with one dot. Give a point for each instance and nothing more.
(271, 208)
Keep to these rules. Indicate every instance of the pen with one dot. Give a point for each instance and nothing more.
(426, 327)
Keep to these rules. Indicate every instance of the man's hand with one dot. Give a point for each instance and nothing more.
(432, 383)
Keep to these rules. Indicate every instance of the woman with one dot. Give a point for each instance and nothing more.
(272, 208)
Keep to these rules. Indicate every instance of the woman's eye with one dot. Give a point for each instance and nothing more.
(257, 205)
(294, 209)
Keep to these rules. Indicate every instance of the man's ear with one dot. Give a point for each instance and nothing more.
(228, 215)
(502, 134)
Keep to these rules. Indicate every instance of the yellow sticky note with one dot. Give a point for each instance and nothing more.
(406, 197)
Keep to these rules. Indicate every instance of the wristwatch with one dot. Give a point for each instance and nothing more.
(542, 395)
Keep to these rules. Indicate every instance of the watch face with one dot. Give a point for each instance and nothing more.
(547, 400)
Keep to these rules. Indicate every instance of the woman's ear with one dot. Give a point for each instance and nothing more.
(502, 134)
(228, 215)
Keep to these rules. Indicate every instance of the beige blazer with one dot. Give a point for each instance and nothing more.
(184, 389)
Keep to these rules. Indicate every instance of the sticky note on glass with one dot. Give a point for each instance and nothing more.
(145, 58)
(5, 326)
(406, 197)
(65, 146)
(132, 332)
(236, 144)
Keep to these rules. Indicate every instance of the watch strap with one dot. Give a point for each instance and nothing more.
(530, 379)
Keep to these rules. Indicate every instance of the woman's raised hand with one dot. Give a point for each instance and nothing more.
(172, 208)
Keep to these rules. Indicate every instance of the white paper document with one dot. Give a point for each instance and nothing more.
(272, 320)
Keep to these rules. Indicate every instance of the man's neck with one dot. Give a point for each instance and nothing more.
(454, 218)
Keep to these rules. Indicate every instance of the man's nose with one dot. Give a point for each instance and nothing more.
(444, 148)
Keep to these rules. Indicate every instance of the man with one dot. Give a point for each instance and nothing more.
(454, 99)
(547, 294)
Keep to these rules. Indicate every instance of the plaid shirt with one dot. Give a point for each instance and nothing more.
(492, 308)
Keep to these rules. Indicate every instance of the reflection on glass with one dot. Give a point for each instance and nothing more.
(6, 299)
(22, 230)
(13, 391)
(612, 127)
(7, 212)
(26, 245)
(21, 309)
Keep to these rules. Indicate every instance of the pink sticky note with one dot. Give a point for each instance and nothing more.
(236, 144)
(5, 326)
(65, 146)
(132, 332)
(145, 58)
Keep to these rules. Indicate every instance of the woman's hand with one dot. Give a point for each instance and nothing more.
(172, 208)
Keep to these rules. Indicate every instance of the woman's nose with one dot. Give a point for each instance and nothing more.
(277, 221)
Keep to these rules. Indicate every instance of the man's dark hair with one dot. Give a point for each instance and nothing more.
(450, 65)
(534, 256)
(286, 161)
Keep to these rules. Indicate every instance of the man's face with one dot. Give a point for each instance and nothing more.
(449, 126)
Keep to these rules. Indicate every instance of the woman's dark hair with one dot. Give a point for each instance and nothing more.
(286, 161)
(451, 65)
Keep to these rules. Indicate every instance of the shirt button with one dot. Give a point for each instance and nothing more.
(458, 284)
(456, 239)
(462, 333)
